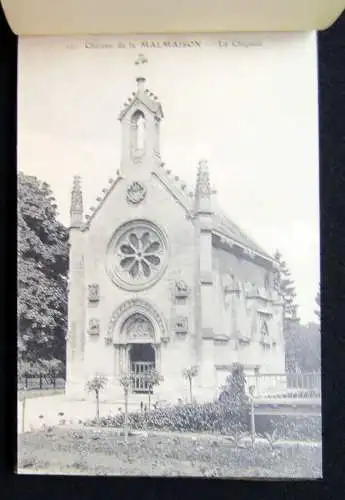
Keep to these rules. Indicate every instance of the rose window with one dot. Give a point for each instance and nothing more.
(140, 254)
(137, 255)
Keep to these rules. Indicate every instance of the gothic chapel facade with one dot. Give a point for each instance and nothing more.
(159, 277)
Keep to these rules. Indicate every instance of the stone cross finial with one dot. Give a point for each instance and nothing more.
(76, 211)
(140, 60)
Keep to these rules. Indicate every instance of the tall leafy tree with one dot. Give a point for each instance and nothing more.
(42, 273)
(309, 353)
(318, 305)
(290, 317)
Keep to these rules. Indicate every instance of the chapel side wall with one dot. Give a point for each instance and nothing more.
(241, 314)
(178, 352)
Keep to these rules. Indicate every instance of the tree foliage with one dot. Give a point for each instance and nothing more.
(318, 305)
(287, 289)
(290, 318)
(302, 342)
(96, 384)
(42, 262)
(234, 391)
(189, 374)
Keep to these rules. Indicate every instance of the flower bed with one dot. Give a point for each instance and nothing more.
(207, 417)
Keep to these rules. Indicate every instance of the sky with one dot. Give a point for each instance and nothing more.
(247, 103)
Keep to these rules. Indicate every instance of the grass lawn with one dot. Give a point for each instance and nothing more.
(103, 452)
(38, 393)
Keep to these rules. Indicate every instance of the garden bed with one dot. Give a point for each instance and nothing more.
(104, 452)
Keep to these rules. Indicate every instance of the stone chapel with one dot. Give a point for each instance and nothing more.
(160, 277)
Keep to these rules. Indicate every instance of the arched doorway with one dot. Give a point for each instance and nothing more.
(142, 359)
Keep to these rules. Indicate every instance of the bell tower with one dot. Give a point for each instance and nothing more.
(140, 119)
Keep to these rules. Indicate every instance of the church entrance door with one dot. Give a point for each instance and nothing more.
(142, 360)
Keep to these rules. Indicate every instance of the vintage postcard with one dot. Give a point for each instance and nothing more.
(168, 264)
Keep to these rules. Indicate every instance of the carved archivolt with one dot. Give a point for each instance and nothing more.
(136, 320)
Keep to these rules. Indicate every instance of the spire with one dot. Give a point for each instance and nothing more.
(149, 99)
(203, 188)
(76, 211)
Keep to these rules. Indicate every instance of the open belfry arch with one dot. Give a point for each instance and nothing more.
(161, 278)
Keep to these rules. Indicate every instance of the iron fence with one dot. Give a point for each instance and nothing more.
(286, 385)
(27, 382)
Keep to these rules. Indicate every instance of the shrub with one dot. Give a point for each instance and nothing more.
(234, 390)
(48, 368)
(207, 417)
(295, 427)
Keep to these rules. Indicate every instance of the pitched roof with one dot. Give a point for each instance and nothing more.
(224, 225)
(221, 223)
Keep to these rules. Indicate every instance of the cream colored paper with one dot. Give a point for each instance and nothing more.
(74, 17)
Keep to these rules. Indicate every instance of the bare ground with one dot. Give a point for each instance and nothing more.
(95, 452)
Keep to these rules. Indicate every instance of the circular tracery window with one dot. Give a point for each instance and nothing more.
(137, 255)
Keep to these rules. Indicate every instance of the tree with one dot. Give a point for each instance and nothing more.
(42, 261)
(234, 394)
(234, 390)
(152, 378)
(97, 384)
(287, 289)
(189, 374)
(126, 380)
(309, 353)
(290, 318)
(318, 305)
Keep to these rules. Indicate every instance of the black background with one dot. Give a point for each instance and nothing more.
(331, 52)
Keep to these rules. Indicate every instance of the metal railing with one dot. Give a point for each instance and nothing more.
(29, 382)
(139, 372)
(286, 385)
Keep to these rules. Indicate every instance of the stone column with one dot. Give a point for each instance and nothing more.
(76, 297)
(206, 301)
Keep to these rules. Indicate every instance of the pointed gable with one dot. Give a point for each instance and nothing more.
(144, 96)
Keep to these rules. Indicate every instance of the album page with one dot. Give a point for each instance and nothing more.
(168, 256)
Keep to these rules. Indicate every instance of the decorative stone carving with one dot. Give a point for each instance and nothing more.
(264, 312)
(264, 333)
(247, 287)
(94, 326)
(137, 327)
(137, 306)
(136, 193)
(181, 290)
(108, 340)
(231, 285)
(136, 256)
(181, 324)
(93, 290)
(243, 336)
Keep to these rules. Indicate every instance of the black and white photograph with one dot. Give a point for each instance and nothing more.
(169, 256)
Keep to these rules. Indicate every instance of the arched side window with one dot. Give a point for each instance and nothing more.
(138, 131)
